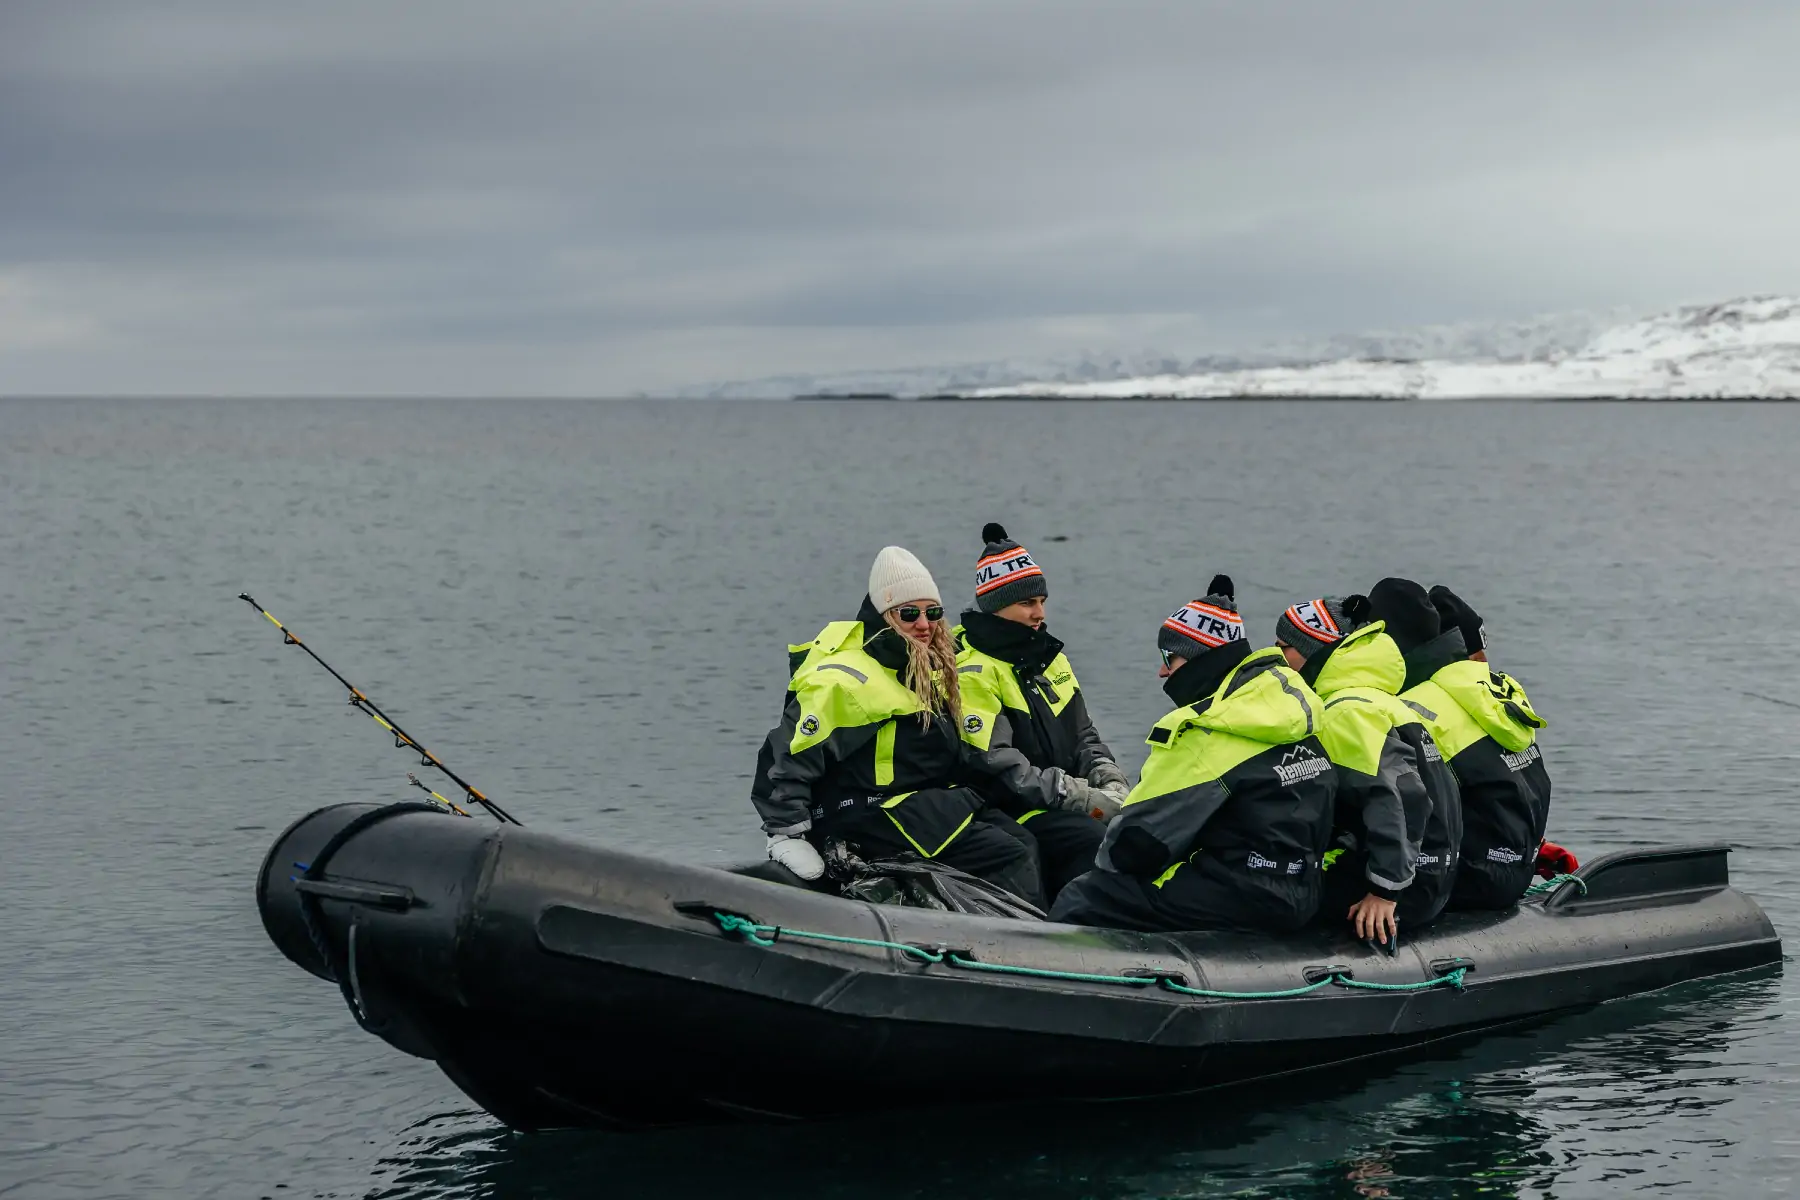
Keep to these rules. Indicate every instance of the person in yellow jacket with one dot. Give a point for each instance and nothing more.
(1025, 713)
(1227, 826)
(1398, 813)
(869, 747)
(1487, 730)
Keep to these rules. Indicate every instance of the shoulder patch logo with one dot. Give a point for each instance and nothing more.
(810, 725)
(972, 723)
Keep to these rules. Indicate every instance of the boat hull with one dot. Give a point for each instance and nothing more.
(559, 983)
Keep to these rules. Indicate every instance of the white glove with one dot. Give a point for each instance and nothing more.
(1071, 790)
(1104, 802)
(1083, 797)
(797, 855)
(1105, 773)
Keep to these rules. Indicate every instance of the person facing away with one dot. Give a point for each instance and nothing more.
(869, 747)
(1024, 712)
(1398, 815)
(1487, 730)
(1231, 817)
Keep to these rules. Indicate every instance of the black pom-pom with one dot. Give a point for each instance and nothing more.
(1357, 609)
(993, 532)
(1222, 586)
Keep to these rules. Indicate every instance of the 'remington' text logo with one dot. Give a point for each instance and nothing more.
(1300, 764)
(1257, 862)
(1505, 854)
(1521, 760)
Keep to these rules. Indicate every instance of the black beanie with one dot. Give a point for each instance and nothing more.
(1006, 573)
(1412, 619)
(1455, 612)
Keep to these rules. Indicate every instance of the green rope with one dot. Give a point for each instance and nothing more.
(753, 933)
(1554, 882)
(1208, 992)
(766, 935)
(1447, 979)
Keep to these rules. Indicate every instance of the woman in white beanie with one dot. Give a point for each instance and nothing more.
(869, 748)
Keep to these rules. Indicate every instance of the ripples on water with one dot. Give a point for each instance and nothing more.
(583, 608)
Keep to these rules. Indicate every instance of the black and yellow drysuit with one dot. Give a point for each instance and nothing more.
(1487, 730)
(1398, 813)
(857, 756)
(1232, 814)
(1025, 714)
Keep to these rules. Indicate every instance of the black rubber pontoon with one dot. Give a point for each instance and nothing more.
(565, 984)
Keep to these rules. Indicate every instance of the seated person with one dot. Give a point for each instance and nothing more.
(1398, 817)
(1487, 730)
(1024, 711)
(869, 747)
(1229, 821)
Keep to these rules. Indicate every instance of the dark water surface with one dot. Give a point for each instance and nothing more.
(583, 608)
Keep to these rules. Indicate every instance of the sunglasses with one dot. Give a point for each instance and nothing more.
(910, 613)
(1168, 659)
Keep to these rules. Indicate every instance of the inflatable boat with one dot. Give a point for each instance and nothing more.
(564, 984)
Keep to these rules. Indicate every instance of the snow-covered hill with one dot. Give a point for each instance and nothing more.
(1535, 338)
(1740, 348)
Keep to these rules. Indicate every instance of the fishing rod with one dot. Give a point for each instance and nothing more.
(402, 739)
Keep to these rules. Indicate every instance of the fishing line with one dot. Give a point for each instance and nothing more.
(402, 740)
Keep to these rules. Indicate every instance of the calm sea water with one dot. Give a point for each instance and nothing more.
(582, 607)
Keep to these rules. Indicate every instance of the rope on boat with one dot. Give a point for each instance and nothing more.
(767, 935)
(1554, 882)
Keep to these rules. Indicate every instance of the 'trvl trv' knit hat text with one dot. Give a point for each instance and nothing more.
(1313, 626)
(1006, 573)
(1204, 624)
(1411, 618)
(898, 576)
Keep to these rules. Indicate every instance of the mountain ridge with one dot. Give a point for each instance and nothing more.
(1743, 348)
(1748, 346)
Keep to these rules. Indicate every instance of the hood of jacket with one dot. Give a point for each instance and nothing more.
(1029, 649)
(1261, 698)
(1366, 658)
(1494, 699)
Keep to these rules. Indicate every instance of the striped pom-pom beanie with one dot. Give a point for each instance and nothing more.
(1006, 573)
(1313, 626)
(1204, 624)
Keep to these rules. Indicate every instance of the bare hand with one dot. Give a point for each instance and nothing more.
(1373, 918)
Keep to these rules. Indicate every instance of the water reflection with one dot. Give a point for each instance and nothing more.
(1506, 1115)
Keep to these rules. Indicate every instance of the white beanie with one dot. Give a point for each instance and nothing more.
(898, 576)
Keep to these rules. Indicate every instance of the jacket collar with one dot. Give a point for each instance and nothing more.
(1200, 677)
(1031, 650)
(1422, 662)
(1367, 657)
(880, 639)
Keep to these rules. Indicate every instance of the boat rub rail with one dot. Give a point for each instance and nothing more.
(1450, 971)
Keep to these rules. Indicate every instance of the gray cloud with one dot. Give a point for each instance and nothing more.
(598, 198)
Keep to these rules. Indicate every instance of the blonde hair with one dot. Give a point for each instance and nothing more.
(931, 670)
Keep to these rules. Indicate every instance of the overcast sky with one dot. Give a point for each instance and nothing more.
(523, 197)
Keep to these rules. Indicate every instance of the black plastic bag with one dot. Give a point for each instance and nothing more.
(916, 882)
